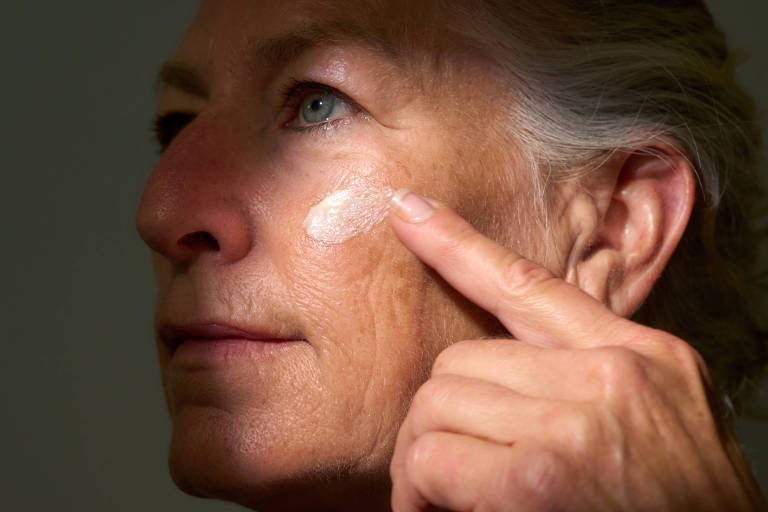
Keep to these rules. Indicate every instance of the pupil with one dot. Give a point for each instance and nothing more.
(317, 108)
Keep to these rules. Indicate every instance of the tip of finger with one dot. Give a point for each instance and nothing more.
(412, 207)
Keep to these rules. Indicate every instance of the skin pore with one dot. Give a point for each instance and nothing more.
(321, 414)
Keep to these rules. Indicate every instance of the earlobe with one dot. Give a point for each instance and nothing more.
(639, 228)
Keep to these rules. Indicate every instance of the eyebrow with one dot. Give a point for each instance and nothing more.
(277, 52)
(178, 76)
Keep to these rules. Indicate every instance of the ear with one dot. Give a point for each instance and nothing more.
(633, 225)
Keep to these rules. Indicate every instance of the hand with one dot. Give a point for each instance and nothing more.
(582, 410)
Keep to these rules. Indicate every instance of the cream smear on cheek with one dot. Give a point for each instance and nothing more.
(346, 213)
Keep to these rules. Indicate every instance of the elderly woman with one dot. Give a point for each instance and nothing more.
(455, 254)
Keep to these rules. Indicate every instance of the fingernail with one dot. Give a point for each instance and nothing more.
(411, 207)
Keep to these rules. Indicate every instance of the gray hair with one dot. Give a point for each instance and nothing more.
(594, 76)
(588, 78)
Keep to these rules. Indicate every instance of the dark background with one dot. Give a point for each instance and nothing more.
(83, 422)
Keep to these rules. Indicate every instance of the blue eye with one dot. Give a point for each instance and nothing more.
(316, 106)
(321, 107)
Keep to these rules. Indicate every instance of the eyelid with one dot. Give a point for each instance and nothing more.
(296, 91)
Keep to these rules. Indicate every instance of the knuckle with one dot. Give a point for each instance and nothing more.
(456, 246)
(430, 396)
(621, 370)
(675, 353)
(537, 481)
(684, 356)
(520, 276)
(450, 359)
(578, 428)
(424, 453)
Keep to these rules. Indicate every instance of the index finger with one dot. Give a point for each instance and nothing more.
(533, 304)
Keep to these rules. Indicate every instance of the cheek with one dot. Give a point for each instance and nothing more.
(345, 268)
(347, 213)
(356, 290)
(373, 313)
(328, 235)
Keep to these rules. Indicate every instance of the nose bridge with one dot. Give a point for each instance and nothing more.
(190, 206)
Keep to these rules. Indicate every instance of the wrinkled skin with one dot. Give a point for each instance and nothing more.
(312, 424)
(585, 410)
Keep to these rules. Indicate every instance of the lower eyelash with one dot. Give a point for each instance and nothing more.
(326, 126)
(295, 92)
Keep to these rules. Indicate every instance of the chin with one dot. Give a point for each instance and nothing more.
(215, 455)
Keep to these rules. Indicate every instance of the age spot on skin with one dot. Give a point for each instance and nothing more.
(347, 213)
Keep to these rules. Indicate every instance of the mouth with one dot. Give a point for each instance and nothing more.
(178, 336)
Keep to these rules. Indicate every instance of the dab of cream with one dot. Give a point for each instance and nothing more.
(347, 213)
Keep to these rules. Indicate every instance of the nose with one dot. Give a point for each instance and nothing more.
(191, 207)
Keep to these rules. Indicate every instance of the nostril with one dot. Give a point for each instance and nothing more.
(199, 241)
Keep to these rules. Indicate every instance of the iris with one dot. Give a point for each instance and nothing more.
(321, 106)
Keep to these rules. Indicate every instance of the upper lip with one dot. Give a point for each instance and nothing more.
(174, 334)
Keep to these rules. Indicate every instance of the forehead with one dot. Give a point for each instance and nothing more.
(409, 51)
(225, 31)
(385, 18)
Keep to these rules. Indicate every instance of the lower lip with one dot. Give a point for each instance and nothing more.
(221, 351)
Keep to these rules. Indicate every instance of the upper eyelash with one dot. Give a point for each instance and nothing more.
(297, 90)
(291, 94)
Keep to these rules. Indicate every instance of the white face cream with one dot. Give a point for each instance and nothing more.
(347, 213)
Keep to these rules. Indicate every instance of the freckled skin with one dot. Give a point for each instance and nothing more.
(347, 213)
(315, 421)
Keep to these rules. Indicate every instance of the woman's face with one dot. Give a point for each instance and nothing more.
(282, 117)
